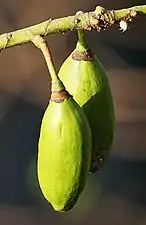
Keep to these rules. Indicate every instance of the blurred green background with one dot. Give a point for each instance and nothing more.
(116, 194)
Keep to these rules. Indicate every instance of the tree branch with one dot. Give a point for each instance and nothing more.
(100, 19)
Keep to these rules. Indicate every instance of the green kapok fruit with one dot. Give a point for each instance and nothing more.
(64, 151)
(85, 78)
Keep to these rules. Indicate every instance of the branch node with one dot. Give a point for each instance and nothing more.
(99, 10)
(104, 18)
(79, 13)
(76, 18)
(125, 20)
(7, 37)
(38, 41)
(130, 15)
(46, 27)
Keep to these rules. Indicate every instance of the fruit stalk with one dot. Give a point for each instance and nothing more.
(81, 38)
(57, 85)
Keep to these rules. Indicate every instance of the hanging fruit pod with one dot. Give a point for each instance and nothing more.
(86, 80)
(64, 148)
(64, 152)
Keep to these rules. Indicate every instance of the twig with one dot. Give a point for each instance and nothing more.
(99, 19)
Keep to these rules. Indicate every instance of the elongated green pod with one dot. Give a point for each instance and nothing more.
(86, 80)
(64, 148)
(64, 151)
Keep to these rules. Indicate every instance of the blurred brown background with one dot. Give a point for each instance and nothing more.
(115, 195)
